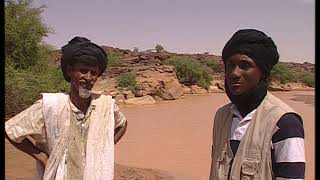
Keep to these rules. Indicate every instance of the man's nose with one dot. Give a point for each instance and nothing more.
(235, 72)
(88, 75)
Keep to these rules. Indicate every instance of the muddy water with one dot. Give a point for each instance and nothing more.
(175, 136)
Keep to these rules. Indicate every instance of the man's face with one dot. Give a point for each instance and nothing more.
(83, 75)
(242, 74)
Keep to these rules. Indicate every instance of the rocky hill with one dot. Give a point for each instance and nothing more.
(158, 81)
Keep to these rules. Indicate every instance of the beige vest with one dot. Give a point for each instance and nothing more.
(253, 157)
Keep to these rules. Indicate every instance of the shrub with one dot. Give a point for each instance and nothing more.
(23, 87)
(189, 72)
(113, 59)
(159, 48)
(282, 74)
(210, 62)
(128, 81)
(308, 79)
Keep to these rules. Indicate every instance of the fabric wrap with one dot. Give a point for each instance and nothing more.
(255, 44)
(80, 49)
(100, 141)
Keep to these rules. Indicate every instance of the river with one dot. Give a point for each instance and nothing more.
(175, 136)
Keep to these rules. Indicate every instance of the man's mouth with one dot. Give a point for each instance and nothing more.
(236, 83)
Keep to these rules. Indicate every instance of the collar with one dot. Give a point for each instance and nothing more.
(234, 110)
(79, 114)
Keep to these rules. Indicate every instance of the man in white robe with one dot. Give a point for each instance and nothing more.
(72, 135)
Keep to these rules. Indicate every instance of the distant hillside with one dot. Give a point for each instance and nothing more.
(150, 75)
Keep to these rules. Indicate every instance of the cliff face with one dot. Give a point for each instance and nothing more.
(158, 81)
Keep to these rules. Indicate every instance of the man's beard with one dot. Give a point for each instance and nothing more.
(84, 93)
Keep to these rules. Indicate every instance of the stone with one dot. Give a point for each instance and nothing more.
(170, 90)
(141, 100)
(198, 90)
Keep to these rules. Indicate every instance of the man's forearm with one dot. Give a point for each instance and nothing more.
(28, 147)
(119, 132)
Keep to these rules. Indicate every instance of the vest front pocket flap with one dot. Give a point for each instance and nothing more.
(221, 155)
(249, 167)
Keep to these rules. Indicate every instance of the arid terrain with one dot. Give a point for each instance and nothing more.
(172, 139)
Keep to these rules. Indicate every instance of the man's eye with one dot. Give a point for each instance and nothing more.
(245, 66)
(94, 73)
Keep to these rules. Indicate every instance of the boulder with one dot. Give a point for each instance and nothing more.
(169, 90)
(198, 90)
(120, 99)
(141, 100)
(215, 89)
(128, 94)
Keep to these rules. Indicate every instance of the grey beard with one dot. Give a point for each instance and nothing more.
(84, 93)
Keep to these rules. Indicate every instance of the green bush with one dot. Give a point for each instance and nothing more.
(189, 72)
(128, 81)
(308, 79)
(210, 62)
(113, 59)
(24, 31)
(29, 70)
(23, 87)
(282, 74)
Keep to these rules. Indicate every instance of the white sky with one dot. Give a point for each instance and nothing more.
(183, 26)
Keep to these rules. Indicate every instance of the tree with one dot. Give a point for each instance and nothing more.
(27, 58)
(159, 48)
(24, 31)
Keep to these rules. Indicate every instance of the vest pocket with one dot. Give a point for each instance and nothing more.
(220, 164)
(249, 169)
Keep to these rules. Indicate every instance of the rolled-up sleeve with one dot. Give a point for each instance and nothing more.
(119, 118)
(29, 122)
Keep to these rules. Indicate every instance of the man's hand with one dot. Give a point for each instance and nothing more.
(28, 147)
(119, 132)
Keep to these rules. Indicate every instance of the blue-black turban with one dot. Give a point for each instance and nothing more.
(81, 49)
(255, 44)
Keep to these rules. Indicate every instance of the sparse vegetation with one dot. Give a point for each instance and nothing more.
(189, 72)
(159, 48)
(128, 81)
(210, 62)
(282, 74)
(308, 79)
(113, 59)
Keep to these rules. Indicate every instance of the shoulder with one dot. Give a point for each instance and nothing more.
(224, 108)
(277, 104)
(290, 125)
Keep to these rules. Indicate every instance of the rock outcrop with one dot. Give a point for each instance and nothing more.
(158, 81)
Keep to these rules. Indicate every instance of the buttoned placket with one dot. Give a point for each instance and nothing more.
(83, 124)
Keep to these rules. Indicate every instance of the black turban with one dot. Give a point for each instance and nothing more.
(255, 44)
(81, 49)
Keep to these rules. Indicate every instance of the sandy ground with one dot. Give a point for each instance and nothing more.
(160, 150)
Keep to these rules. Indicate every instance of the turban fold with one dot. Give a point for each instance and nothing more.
(255, 44)
(81, 49)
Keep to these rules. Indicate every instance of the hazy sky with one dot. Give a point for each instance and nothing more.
(183, 26)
